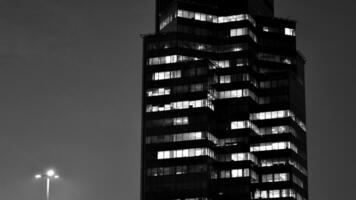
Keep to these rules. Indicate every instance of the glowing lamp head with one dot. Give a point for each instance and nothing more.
(38, 176)
(50, 173)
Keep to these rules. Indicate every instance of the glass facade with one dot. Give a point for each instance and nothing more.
(223, 104)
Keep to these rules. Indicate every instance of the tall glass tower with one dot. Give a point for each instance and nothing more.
(223, 114)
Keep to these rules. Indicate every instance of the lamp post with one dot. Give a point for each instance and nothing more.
(48, 176)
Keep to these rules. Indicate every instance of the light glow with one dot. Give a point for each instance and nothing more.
(38, 176)
(50, 173)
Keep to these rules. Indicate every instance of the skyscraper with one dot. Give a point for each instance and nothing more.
(223, 103)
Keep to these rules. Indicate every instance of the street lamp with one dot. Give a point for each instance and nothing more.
(48, 176)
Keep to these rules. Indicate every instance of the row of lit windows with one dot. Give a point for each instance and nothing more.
(232, 78)
(272, 146)
(180, 105)
(230, 94)
(202, 136)
(181, 137)
(242, 31)
(236, 157)
(240, 125)
(176, 170)
(273, 194)
(158, 92)
(271, 115)
(275, 58)
(220, 142)
(170, 59)
(166, 75)
(178, 121)
(234, 173)
(235, 125)
(277, 115)
(285, 31)
(277, 177)
(225, 79)
(229, 63)
(221, 63)
(283, 161)
(185, 153)
(213, 18)
(198, 71)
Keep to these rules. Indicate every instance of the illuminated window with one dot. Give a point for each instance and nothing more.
(180, 105)
(213, 18)
(277, 115)
(241, 32)
(274, 194)
(272, 146)
(225, 79)
(282, 193)
(264, 194)
(234, 173)
(166, 75)
(185, 153)
(180, 121)
(277, 177)
(236, 94)
(238, 32)
(181, 137)
(170, 59)
(240, 125)
(289, 31)
(244, 157)
(271, 115)
(158, 92)
(221, 64)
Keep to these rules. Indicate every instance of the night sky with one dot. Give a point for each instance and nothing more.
(70, 98)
